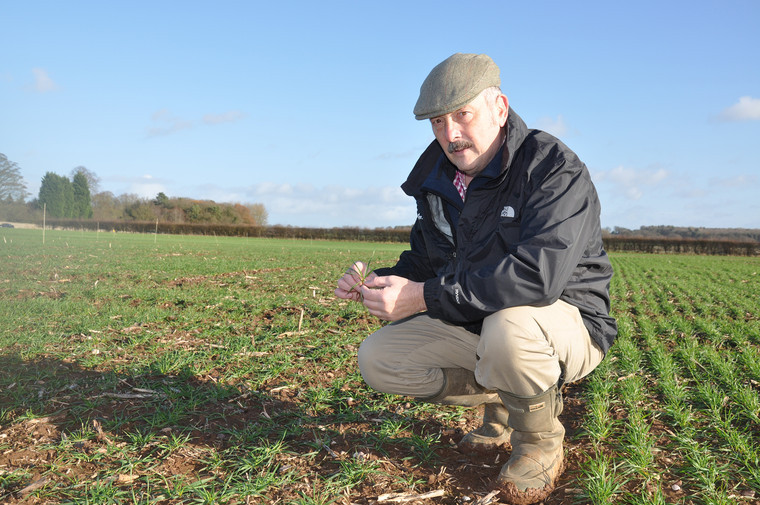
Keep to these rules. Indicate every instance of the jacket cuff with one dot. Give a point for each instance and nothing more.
(384, 271)
(432, 292)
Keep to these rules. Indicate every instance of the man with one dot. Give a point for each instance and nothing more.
(504, 293)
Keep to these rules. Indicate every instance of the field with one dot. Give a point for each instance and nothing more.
(162, 369)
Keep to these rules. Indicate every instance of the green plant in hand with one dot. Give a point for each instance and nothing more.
(362, 273)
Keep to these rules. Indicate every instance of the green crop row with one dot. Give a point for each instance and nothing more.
(675, 409)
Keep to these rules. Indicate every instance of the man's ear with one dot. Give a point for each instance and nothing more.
(502, 107)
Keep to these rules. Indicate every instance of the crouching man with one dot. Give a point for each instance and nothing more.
(503, 295)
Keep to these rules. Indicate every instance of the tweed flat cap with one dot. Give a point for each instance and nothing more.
(454, 83)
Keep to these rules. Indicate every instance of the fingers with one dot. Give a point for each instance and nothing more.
(348, 295)
(375, 301)
(392, 298)
(346, 282)
(351, 281)
(375, 281)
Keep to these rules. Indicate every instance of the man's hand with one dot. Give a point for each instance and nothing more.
(392, 298)
(349, 285)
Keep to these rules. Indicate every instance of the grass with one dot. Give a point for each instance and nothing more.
(175, 369)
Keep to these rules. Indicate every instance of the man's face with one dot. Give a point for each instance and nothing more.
(470, 136)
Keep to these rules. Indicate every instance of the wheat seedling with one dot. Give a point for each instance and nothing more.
(362, 274)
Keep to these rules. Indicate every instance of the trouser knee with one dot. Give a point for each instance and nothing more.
(407, 357)
(373, 370)
(515, 355)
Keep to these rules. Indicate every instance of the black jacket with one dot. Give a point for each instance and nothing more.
(528, 234)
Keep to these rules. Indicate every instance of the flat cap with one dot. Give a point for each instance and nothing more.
(454, 83)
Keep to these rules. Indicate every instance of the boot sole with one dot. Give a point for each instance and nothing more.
(513, 496)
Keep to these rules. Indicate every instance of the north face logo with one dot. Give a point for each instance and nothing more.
(507, 211)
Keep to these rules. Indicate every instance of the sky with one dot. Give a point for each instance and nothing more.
(306, 107)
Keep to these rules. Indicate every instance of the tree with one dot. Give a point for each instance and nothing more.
(57, 193)
(194, 213)
(82, 208)
(93, 181)
(259, 213)
(106, 207)
(162, 201)
(141, 211)
(12, 185)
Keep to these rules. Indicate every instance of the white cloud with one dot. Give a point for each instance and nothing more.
(167, 124)
(147, 187)
(631, 182)
(739, 181)
(144, 186)
(746, 109)
(42, 81)
(634, 198)
(329, 206)
(225, 117)
(556, 127)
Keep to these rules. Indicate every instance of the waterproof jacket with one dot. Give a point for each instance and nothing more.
(528, 233)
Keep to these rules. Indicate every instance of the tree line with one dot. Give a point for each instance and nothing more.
(687, 233)
(713, 247)
(77, 197)
(400, 234)
(76, 202)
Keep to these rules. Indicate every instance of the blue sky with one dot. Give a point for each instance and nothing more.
(306, 107)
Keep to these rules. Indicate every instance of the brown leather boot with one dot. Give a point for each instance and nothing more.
(537, 458)
(460, 388)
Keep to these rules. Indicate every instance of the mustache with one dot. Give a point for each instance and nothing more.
(459, 145)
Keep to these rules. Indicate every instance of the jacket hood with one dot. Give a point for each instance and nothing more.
(516, 133)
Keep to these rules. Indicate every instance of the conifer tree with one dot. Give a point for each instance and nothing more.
(82, 208)
(57, 193)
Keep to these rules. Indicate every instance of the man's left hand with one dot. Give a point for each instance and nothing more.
(392, 297)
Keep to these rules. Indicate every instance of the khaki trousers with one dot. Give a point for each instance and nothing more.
(520, 350)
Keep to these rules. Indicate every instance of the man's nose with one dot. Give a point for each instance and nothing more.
(451, 130)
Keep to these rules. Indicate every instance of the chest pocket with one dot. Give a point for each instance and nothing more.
(490, 225)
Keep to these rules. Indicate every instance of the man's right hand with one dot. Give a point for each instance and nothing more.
(349, 284)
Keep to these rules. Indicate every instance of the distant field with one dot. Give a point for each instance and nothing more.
(185, 369)
(27, 226)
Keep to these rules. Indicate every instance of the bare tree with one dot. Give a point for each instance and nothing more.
(259, 213)
(12, 185)
(93, 181)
